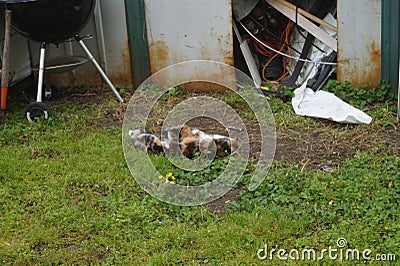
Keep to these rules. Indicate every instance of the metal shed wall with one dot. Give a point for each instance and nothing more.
(359, 41)
(178, 31)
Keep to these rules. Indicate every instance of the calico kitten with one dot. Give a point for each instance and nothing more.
(210, 145)
(194, 141)
(172, 137)
(189, 146)
(146, 141)
(185, 132)
(225, 145)
(189, 141)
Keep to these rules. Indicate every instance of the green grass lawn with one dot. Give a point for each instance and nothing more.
(67, 196)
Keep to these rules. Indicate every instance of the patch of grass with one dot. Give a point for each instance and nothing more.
(361, 96)
(67, 196)
(359, 201)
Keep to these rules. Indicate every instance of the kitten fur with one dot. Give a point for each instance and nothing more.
(224, 145)
(146, 141)
(188, 140)
(172, 137)
(189, 146)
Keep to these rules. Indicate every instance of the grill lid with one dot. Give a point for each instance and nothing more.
(51, 21)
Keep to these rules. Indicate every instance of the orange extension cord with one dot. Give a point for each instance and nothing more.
(265, 52)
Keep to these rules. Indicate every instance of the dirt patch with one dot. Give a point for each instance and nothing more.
(325, 143)
(329, 144)
(219, 205)
(315, 145)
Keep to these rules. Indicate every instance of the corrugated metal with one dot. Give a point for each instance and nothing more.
(137, 33)
(359, 40)
(178, 31)
(390, 41)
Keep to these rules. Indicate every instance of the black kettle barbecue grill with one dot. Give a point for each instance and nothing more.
(52, 21)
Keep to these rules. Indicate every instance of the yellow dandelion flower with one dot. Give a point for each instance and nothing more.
(172, 177)
(169, 174)
(167, 181)
(172, 182)
(160, 177)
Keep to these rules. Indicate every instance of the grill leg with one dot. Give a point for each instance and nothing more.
(41, 72)
(38, 109)
(91, 58)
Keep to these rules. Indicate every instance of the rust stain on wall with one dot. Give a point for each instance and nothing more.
(375, 53)
(124, 77)
(198, 77)
(203, 86)
(227, 54)
(158, 53)
(359, 71)
(359, 41)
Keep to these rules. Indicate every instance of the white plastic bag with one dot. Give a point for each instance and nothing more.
(326, 105)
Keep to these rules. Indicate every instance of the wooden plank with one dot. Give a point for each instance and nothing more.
(305, 24)
(251, 64)
(309, 15)
(5, 74)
